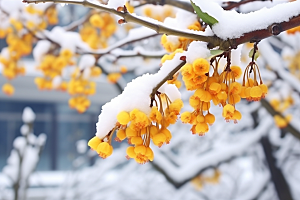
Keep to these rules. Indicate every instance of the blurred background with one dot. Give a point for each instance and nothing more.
(257, 158)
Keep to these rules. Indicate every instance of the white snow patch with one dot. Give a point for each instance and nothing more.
(233, 25)
(137, 95)
(28, 115)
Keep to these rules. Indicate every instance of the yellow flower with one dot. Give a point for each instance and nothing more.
(209, 118)
(155, 115)
(228, 111)
(97, 21)
(123, 118)
(113, 77)
(201, 66)
(130, 152)
(121, 135)
(104, 150)
(159, 139)
(8, 89)
(129, 7)
(94, 142)
(186, 117)
(202, 128)
(237, 71)
(214, 88)
(235, 88)
(256, 93)
(282, 122)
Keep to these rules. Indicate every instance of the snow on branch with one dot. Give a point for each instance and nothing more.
(234, 25)
(136, 95)
(233, 28)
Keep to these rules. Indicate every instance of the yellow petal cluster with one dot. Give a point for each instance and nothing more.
(173, 44)
(97, 31)
(164, 12)
(104, 149)
(220, 89)
(80, 87)
(141, 128)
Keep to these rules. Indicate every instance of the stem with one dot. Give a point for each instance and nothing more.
(213, 41)
(231, 5)
(289, 128)
(158, 27)
(281, 185)
(168, 77)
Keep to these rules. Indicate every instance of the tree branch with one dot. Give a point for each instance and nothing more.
(281, 185)
(168, 77)
(213, 41)
(231, 5)
(158, 27)
(289, 128)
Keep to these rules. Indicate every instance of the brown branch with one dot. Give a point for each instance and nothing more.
(75, 24)
(272, 30)
(127, 17)
(106, 51)
(139, 54)
(231, 5)
(213, 41)
(168, 77)
(289, 128)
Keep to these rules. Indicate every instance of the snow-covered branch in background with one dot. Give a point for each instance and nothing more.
(181, 174)
(24, 156)
(240, 31)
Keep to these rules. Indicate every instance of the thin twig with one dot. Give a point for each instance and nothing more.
(158, 27)
(213, 41)
(168, 77)
(289, 128)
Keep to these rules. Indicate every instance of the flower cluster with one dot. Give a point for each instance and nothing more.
(172, 43)
(19, 38)
(140, 128)
(52, 67)
(294, 65)
(51, 15)
(103, 23)
(281, 107)
(220, 89)
(159, 13)
(18, 46)
(80, 87)
(202, 179)
(253, 90)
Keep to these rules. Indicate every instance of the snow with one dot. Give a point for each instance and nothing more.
(11, 170)
(24, 129)
(41, 139)
(86, 61)
(42, 47)
(136, 95)
(116, 3)
(5, 53)
(275, 62)
(211, 158)
(133, 35)
(196, 50)
(136, 51)
(28, 115)
(233, 25)
(20, 144)
(81, 146)
(29, 161)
